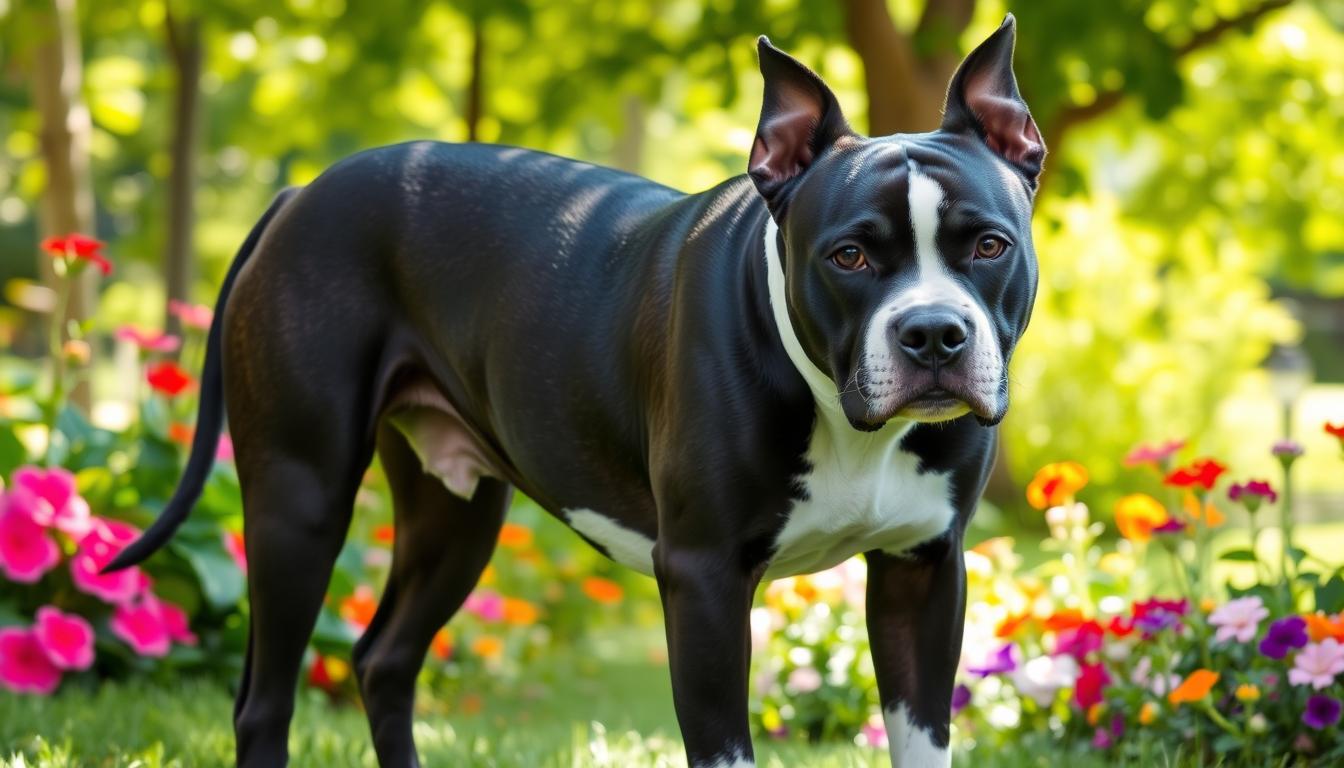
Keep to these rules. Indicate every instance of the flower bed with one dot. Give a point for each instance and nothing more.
(1079, 653)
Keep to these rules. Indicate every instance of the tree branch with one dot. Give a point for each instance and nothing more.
(1072, 116)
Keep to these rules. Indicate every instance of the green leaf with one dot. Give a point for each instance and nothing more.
(1239, 556)
(1330, 595)
(13, 453)
(222, 583)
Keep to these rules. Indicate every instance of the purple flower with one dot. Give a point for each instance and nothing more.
(1322, 712)
(1286, 449)
(1156, 621)
(961, 696)
(1171, 526)
(1283, 636)
(1001, 662)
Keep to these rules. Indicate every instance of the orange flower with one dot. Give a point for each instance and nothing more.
(1137, 514)
(515, 536)
(181, 433)
(442, 644)
(1147, 713)
(384, 534)
(1194, 687)
(520, 612)
(1009, 626)
(1209, 514)
(1066, 618)
(358, 607)
(1055, 484)
(1320, 626)
(602, 590)
(1095, 712)
(488, 647)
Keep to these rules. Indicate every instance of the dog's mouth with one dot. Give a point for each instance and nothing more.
(930, 400)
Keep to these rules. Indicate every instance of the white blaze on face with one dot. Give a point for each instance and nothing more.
(912, 746)
(934, 285)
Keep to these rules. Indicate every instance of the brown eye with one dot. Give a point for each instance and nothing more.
(990, 247)
(849, 258)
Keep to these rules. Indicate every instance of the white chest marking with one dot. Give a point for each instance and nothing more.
(911, 745)
(863, 491)
(627, 547)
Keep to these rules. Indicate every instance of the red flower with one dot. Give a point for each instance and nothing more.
(1337, 431)
(168, 378)
(1200, 472)
(1091, 683)
(1120, 626)
(77, 246)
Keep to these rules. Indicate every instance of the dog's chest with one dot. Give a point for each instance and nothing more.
(862, 493)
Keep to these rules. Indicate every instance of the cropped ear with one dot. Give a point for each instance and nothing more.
(800, 118)
(983, 98)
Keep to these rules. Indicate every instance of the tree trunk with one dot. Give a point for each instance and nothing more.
(67, 199)
(474, 87)
(184, 50)
(628, 155)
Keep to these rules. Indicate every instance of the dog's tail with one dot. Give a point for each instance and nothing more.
(209, 416)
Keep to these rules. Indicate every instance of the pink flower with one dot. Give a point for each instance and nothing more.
(224, 452)
(1318, 664)
(26, 551)
(803, 680)
(149, 341)
(64, 509)
(140, 623)
(24, 666)
(1238, 619)
(874, 732)
(1156, 453)
(192, 315)
(233, 544)
(176, 623)
(66, 638)
(485, 605)
(96, 550)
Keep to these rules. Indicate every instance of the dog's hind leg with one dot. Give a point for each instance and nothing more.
(442, 545)
(297, 511)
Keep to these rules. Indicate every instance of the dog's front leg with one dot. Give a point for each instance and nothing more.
(707, 595)
(916, 610)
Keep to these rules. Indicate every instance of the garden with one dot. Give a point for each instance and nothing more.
(1154, 578)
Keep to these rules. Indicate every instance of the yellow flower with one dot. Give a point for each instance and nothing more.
(1137, 514)
(1055, 484)
(1147, 713)
(337, 669)
(1248, 692)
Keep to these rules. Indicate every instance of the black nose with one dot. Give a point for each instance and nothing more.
(931, 337)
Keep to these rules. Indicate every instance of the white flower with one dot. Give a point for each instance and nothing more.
(1043, 676)
(803, 680)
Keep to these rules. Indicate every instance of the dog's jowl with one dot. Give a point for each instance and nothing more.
(799, 365)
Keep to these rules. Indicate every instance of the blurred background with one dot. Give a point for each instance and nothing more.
(1190, 226)
(1191, 216)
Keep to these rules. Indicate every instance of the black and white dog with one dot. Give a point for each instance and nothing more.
(763, 379)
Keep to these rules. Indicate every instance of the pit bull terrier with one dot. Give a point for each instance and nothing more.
(763, 379)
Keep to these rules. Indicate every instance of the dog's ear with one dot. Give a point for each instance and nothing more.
(983, 98)
(800, 118)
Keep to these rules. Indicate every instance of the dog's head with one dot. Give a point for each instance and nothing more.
(907, 261)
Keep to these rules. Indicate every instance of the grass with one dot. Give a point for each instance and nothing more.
(566, 714)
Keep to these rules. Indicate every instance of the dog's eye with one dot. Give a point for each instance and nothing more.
(849, 258)
(990, 247)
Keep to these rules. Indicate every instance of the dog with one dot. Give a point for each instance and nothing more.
(799, 365)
